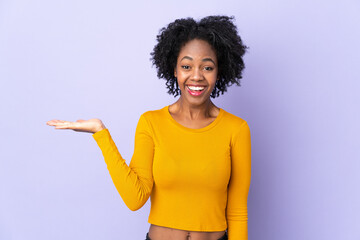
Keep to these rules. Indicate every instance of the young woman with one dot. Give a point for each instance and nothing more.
(192, 158)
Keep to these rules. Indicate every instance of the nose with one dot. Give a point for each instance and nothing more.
(197, 74)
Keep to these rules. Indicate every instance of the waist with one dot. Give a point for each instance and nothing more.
(159, 232)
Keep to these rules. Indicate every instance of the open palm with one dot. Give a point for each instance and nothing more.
(92, 125)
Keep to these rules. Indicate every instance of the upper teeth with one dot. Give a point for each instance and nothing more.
(195, 88)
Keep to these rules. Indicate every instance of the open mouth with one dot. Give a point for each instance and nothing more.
(195, 91)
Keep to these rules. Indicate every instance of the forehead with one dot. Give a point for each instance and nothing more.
(197, 48)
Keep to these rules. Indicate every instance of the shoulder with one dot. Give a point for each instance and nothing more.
(154, 115)
(149, 119)
(234, 121)
(239, 129)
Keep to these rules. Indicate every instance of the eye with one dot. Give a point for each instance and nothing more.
(208, 68)
(185, 67)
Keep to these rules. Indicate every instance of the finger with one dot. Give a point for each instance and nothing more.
(65, 125)
(55, 121)
(50, 122)
(58, 123)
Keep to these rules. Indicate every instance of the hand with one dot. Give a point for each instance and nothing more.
(92, 125)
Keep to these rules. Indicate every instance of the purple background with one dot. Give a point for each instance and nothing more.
(74, 60)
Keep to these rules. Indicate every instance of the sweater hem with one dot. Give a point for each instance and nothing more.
(189, 228)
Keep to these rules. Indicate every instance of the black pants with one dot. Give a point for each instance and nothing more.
(225, 237)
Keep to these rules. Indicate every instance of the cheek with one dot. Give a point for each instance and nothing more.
(212, 77)
(181, 77)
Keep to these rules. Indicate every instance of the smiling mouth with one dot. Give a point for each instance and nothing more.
(195, 91)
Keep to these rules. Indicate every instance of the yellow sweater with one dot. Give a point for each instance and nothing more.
(197, 179)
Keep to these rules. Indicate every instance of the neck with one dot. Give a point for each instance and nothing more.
(192, 111)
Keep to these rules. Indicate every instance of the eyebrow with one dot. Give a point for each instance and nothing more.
(204, 60)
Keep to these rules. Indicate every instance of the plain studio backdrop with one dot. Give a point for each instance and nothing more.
(82, 59)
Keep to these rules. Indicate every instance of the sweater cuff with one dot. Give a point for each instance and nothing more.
(101, 134)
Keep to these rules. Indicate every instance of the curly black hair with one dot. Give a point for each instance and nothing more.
(219, 31)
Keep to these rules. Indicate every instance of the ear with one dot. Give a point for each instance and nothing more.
(175, 72)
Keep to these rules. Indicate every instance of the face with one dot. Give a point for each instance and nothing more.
(196, 71)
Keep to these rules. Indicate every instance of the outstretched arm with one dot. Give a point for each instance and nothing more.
(134, 182)
(236, 211)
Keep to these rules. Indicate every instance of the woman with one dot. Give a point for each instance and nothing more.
(192, 158)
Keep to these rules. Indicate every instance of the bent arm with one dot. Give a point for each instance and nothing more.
(238, 189)
(134, 182)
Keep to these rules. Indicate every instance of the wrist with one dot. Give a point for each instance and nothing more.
(99, 128)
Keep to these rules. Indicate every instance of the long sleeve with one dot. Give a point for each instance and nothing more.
(239, 185)
(134, 182)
